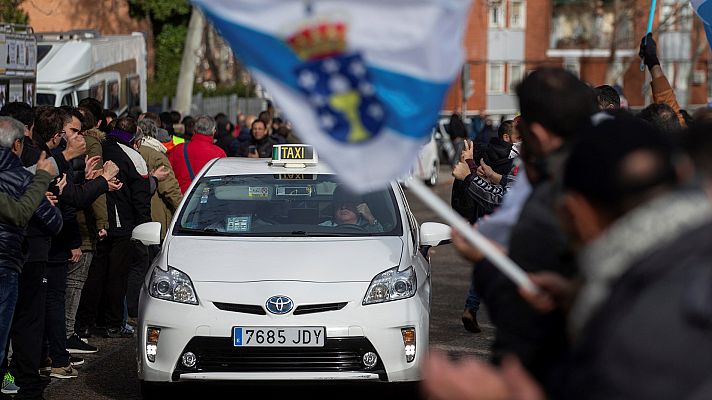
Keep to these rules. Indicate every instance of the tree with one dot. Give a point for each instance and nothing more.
(10, 12)
(169, 23)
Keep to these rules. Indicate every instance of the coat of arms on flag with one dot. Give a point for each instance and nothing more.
(336, 82)
(362, 81)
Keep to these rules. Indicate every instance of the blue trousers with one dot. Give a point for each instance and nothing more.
(8, 300)
(472, 302)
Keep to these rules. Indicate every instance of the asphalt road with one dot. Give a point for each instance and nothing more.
(111, 373)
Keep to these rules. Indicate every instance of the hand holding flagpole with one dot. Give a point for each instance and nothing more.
(651, 18)
(498, 259)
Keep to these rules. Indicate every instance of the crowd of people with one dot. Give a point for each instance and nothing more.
(606, 210)
(608, 214)
(74, 183)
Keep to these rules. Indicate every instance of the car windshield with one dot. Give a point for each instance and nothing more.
(286, 205)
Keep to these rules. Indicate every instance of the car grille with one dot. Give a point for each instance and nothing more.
(241, 308)
(217, 354)
(259, 310)
(317, 308)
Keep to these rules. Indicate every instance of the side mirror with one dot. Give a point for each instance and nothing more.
(148, 233)
(434, 234)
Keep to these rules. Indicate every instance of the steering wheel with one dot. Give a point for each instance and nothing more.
(352, 227)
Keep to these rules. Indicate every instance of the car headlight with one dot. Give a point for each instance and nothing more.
(172, 285)
(391, 285)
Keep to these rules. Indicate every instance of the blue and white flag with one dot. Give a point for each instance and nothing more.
(703, 9)
(361, 80)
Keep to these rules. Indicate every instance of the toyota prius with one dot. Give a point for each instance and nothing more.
(275, 270)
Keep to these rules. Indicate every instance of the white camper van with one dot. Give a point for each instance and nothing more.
(78, 64)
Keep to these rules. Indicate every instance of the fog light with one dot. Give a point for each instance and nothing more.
(188, 359)
(409, 343)
(370, 359)
(152, 343)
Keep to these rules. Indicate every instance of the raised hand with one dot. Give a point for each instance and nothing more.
(90, 164)
(43, 164)
(161, 173)
(110, 170)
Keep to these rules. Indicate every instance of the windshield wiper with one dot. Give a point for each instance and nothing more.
(204, 231)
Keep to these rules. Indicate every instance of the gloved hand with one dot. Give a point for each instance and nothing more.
(649, 51)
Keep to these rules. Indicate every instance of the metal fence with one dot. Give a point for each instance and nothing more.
(229, 105)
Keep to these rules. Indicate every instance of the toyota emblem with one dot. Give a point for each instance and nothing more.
(279, 304)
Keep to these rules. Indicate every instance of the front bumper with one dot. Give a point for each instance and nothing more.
(351, 331)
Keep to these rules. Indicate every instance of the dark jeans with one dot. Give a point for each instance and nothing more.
(27, 331)
(472, 302)
(137, 273)
(55, 329)
(107, 277)
(8, 299)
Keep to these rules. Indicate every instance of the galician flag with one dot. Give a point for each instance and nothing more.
(703, 8)
(361, 80)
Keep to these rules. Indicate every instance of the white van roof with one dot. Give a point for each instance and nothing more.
(73, 57)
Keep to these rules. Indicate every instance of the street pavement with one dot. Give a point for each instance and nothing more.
(111, 373)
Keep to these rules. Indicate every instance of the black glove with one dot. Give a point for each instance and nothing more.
(649, 51)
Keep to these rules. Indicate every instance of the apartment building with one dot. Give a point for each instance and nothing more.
(596, 40)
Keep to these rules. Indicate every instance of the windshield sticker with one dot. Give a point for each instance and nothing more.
(258, 191)
(204, 197)
(299, 191)
(238, 224)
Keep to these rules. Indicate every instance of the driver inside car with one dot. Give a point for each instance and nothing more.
(351, 209)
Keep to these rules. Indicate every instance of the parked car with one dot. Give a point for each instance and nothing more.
(427, 166)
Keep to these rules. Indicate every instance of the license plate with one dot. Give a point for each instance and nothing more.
(276, 336)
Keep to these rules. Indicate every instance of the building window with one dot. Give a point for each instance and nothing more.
(496, 14)
(516, 74)
(675, 16)
(517, 11)
(495, 78)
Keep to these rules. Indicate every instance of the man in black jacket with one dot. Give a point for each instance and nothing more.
(555, 105)
(29, 312)
(65, 246)
(126, 208)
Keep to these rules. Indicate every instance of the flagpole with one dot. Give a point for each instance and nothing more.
(651, 18)
(499, 259)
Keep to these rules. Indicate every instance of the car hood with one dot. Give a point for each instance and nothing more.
(211, 259)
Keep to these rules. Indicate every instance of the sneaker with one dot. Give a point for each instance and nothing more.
(84, 333)
(67, 372)
(118, 333)
(46, 366)
(469, 319)
(8, 384)
(75, 345)
(76, 362)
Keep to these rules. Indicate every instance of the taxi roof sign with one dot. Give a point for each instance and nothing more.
(294, 155)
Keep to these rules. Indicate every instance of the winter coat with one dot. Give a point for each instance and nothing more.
(131, 205)
(537, 243)
(18, 212)
(200, 150)
(168, 195)
(79, 194)
(14, 181)
(642, 322)
(93, 219)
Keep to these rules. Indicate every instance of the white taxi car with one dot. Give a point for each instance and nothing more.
(272, 270)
